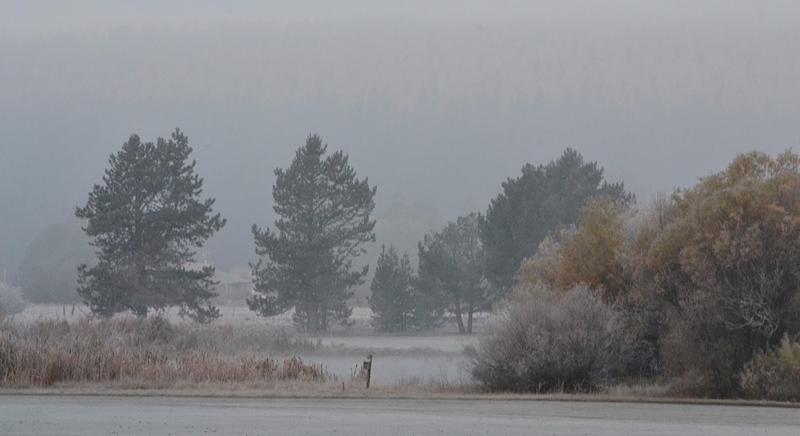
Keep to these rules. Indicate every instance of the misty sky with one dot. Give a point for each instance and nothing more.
(437, 102)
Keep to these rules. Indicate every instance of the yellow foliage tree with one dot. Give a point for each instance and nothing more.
(728, 265)
(591, 254)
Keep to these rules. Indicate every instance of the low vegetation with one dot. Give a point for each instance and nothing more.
(11, 301)
(774, 374)
(549, 342)
(148, 353)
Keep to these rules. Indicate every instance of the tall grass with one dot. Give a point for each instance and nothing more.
(150, 352)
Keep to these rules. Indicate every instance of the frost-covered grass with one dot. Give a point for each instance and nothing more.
(427, 360)
(148, 352)
(433, 357)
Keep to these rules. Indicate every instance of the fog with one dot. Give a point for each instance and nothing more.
(436, 103)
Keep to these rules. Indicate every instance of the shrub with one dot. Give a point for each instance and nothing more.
(11, 301)
(570, 341)
(726, 267)
(603, 252)
(775, 374)
(594, 255)
(7, 358)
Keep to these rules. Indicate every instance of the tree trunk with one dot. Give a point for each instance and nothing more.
(469, 319)
(323, 325)
(460, 321)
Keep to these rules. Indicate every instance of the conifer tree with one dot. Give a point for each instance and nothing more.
(392, 291)
(451, 273)
(306, 261)
(146, 220)
(533, 205)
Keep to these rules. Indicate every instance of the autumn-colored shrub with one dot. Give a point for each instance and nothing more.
(602, 253)
(775, 374)
(590, 254)
(705, 279)
(727, 268)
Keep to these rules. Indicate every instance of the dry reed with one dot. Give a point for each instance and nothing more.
(151, 352)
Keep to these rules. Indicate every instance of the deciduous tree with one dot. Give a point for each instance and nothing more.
(728, 267)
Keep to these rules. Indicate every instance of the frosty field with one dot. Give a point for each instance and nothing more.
(434, 359)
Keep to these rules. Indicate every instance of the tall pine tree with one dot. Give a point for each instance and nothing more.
(146, 220)
(306, 261)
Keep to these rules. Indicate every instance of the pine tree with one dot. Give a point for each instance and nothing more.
(451, 272)
(534, 204)
(392, 291)
(306, 261)
(146, 220)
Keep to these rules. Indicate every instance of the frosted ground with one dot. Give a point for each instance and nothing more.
(436, 358)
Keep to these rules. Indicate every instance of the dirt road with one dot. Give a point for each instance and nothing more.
(78, 415)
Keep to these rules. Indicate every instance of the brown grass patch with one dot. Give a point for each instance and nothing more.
(149, 353)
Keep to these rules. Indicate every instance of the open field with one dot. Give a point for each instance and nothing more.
(430, 359)
(98, 415)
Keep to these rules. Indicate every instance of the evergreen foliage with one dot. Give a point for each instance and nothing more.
(146, 220)
(534, 204)
(451, 273)
(306, 261)
(392, 292)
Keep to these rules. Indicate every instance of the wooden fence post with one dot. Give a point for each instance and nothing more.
(368, 368)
